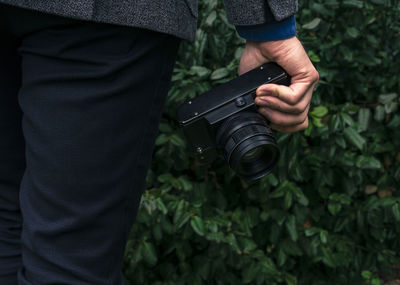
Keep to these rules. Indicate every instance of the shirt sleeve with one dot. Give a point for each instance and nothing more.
(271, 31)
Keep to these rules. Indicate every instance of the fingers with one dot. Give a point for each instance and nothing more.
(286, 107)
(276, 103)
(290, 129)
(293, 94)
(284, 119)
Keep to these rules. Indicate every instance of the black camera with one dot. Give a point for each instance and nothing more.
(225, 120)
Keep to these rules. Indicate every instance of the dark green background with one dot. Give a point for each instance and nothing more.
(330, 213)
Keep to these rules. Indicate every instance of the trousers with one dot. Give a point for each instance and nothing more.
(80, 105)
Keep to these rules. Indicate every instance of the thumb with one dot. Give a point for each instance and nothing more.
(251, 58)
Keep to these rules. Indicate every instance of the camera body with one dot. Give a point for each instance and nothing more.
(225, 120)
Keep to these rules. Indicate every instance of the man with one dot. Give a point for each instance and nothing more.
(87, 80)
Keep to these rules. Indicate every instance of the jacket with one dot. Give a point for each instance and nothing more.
(175, 17)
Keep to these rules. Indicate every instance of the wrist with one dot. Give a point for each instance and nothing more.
(274, 50)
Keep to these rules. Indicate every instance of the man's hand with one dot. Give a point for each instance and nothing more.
(285, 107)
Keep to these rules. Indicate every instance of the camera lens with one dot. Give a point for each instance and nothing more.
(248, 145)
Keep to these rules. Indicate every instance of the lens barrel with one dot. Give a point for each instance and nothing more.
(248, 145)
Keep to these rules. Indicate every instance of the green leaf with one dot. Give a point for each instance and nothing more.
(176, 140)
(327, 257)
(157, 232)
(313, 24)
(161, 139)
(231, 240)
(287, 202)
(347, 119)
(301, 198)
(279, 192)
(364, 116)
(387, 98)
(366, 274)
(272, 180)
(219, 73)
(396, 211)
(354, 138)
(323, 235)
(282, 257)
(149, 253)
(179, 211)
(319, 111)
(165, 178)
(391, 107)
(379, 113)
(183, 220)
(311, 231)
(211, 18)
(376, 281)
(197, 225)
(250, 273)
(290, 279)
(291, 248)
(353, 32)
(334, 208)
(248, 244)
(269, 266)
(200, 70)
(368, 162)
(291, 227)
(161, 206)
(186, 184)
(313, 56)
(353, 3)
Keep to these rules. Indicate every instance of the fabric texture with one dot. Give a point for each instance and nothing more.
(256, 12)
(175, 17)
(80, 104)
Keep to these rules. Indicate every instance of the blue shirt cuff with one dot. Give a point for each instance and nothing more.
(272, 31)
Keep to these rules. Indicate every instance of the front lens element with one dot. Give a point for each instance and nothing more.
(253, 154)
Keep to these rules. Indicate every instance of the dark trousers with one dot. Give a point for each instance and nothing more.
(80, 105)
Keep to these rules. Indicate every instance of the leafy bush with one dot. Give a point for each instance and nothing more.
(330, 213)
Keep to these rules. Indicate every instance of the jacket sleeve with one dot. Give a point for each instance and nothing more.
(256, 12)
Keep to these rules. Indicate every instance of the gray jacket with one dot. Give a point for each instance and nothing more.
(175, 17)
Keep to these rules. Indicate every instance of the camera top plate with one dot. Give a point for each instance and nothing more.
(229, 91)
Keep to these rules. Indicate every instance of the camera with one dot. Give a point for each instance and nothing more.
(225, 121)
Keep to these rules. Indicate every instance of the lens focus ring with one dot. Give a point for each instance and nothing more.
(243, 135)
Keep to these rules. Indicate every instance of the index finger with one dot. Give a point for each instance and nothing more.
(289, 94)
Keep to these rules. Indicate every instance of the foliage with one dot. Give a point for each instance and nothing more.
(330, 213)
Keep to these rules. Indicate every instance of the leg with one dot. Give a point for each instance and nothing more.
(12, 160)
(92, 97)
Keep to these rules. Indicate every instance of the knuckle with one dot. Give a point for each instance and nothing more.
(275, 119)
(299, 108)
(300, 121)
(315, 75)
(305, 124)
(304, 117)
(286, 131)
(263, 111)
(292, 100)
